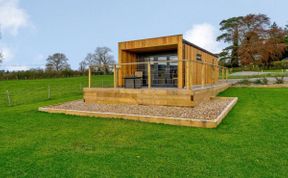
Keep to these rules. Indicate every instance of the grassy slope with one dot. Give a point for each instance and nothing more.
(251, 141)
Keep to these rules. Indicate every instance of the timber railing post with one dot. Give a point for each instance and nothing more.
(227, 73)
(115, 76)
(187, 78)
(203, 74)
(149, 74)
(191, 74)
(89, 77)
(223, 73)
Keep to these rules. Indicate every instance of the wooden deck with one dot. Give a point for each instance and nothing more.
(153, 96)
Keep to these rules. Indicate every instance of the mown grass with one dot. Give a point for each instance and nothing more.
(251, 141)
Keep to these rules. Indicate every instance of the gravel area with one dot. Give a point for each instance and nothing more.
(204, 111)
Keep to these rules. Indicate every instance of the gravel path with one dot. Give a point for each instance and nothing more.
(204, 111)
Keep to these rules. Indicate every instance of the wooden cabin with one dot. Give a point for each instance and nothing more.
(175, 62)
(164, 71)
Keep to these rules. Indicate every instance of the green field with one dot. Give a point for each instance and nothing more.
(252, 141)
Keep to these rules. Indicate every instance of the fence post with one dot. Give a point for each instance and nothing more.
(149, 74)
(8, 98)
(115, 76)
(227, 73)
(223, 73)
(49, 92)
(89, 77)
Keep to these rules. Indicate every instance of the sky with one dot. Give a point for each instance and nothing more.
(31, 30)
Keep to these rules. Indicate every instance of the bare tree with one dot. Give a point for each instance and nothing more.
(104, 57)
(57, 62)
(82, 66)
(100, 59)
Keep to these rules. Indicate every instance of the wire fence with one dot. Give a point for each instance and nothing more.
(15, 96)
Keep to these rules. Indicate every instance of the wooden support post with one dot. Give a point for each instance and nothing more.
(223, 73)
(203, 74)
(191, 73)
(89, 77)
(187, 75)
(227, 73)
(213, 74)
(149, 74)
(115, 76)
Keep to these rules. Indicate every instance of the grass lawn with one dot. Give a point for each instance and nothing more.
(251, 142)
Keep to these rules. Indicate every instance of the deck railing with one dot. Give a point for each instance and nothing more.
(164, 73)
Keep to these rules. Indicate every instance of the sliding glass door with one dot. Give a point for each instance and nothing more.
(164, 69)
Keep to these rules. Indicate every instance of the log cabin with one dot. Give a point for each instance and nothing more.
(160, 71)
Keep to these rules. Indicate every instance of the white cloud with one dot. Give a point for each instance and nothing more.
(203, 35)
(7, 54)
(12, 17)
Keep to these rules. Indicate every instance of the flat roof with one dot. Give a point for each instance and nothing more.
(184, 41)
(150, 38)
(198, 47)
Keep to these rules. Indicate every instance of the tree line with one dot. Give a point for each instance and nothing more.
(252, 40)
(57, 65)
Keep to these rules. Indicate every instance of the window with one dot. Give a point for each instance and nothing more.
(199, 57)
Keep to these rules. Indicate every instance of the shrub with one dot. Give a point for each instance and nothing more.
(264, 81)
(258, 82)
(244, 82)
(279, 80)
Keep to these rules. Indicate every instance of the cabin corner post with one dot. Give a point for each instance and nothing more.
(180, 62)
(89, 77)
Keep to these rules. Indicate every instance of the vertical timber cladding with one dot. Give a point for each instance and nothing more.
(127, 53)
(210, 73)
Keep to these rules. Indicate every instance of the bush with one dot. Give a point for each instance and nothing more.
(38, 74)
(258, 82)
(244, 82)
(279, 80)
(264, 81)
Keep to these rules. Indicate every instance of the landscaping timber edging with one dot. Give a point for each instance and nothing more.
(147, 118)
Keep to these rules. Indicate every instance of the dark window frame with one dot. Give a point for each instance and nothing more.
(198, 57)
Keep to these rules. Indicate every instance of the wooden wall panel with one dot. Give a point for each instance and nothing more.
(210, 73)
(128, 50)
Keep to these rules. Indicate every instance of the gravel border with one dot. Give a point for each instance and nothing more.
(209, 110)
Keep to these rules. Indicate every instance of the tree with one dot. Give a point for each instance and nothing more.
(230, 29)
(101, 59)
(274, 45)
(104, 58)
(57, 62)
(82, 66)
(252, 32)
